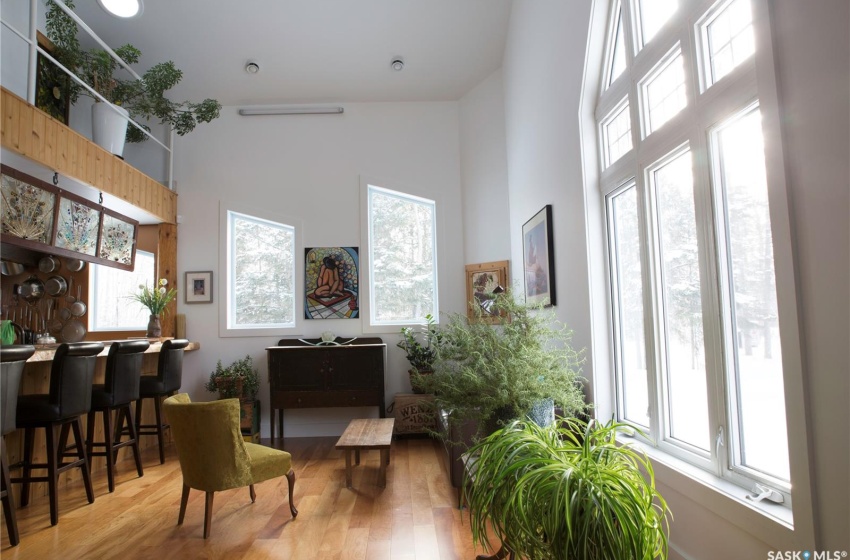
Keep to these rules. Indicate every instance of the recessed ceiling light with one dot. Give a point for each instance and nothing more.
(397, 64)
(122, 8)
(252, 67)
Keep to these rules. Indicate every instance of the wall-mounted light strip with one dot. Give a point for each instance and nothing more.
(257, 111)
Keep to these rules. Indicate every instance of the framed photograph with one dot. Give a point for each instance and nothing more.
(199, 287)
(482, 282)
(538, 258)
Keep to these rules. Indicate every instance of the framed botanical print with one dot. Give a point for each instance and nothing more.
(483, 281)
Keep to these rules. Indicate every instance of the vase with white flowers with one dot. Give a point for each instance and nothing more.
(156, 300)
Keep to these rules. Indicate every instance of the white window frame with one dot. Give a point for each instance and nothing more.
(643, 91)
(394, 188)
(610, 44)
(605, 139)
(224, 286)
(747, 83)
(706, 75)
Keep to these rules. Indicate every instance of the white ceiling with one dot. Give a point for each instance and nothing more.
(315, 51)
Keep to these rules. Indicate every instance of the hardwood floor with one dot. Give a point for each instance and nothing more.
(414, 518)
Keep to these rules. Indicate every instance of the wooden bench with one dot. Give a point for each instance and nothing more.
(362, 434)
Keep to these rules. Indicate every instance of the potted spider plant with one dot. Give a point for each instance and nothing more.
(568, 491)
(140, 99)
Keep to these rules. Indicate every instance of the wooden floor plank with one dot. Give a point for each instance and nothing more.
(412, 518)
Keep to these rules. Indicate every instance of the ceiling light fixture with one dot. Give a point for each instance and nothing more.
(397, 64)
(122, 8)
(257, 111)
(252, 67)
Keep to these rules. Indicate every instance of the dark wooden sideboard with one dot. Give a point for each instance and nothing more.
(302, 375)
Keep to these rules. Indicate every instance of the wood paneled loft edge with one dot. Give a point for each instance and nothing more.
(30, 132)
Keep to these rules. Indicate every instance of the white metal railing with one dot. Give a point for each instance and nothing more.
(34, 49)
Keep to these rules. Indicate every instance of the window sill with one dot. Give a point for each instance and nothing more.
(769, 522)
(275, 332)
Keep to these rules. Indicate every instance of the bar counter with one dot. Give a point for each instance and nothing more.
(45, 352)
(36, 379)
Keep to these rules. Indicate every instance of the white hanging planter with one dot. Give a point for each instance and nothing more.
(109, 128)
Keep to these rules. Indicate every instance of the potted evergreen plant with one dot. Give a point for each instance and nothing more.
(421, 354)
(238, 380)
(140, 99)
(568, 491)
(489, 374)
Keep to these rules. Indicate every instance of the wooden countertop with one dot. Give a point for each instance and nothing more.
(45, 352)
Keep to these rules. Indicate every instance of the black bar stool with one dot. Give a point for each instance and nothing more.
(58, 412)
(14, 358)
(120, 389)
(169, 377)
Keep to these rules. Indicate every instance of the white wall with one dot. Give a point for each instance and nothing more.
(308, 167)
(13, 49)
(813, 73)
(543, 75)
(484, 173)
(543, 67)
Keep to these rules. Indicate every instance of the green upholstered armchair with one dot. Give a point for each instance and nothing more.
(213, 455)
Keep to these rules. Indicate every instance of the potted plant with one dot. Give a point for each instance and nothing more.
(156, 301)
(492, 373)
(421, 355)
(238, 380)
(566, 491)
(140, 99)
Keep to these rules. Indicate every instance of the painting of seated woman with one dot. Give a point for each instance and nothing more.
(331, 283)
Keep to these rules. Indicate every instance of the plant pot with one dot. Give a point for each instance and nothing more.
(229, 387)
(154, 327)
(109, 128)
(542, 413)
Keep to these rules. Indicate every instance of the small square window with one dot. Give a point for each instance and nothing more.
(664, 93)
(617, 133)
(728, 39)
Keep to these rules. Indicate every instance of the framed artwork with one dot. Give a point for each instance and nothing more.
(482, 282)
(538, 258)
(331, 283)
(199, 287)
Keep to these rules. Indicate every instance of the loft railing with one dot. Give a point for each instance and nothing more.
(35, 49)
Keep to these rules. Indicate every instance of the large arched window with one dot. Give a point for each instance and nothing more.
(698, 237)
